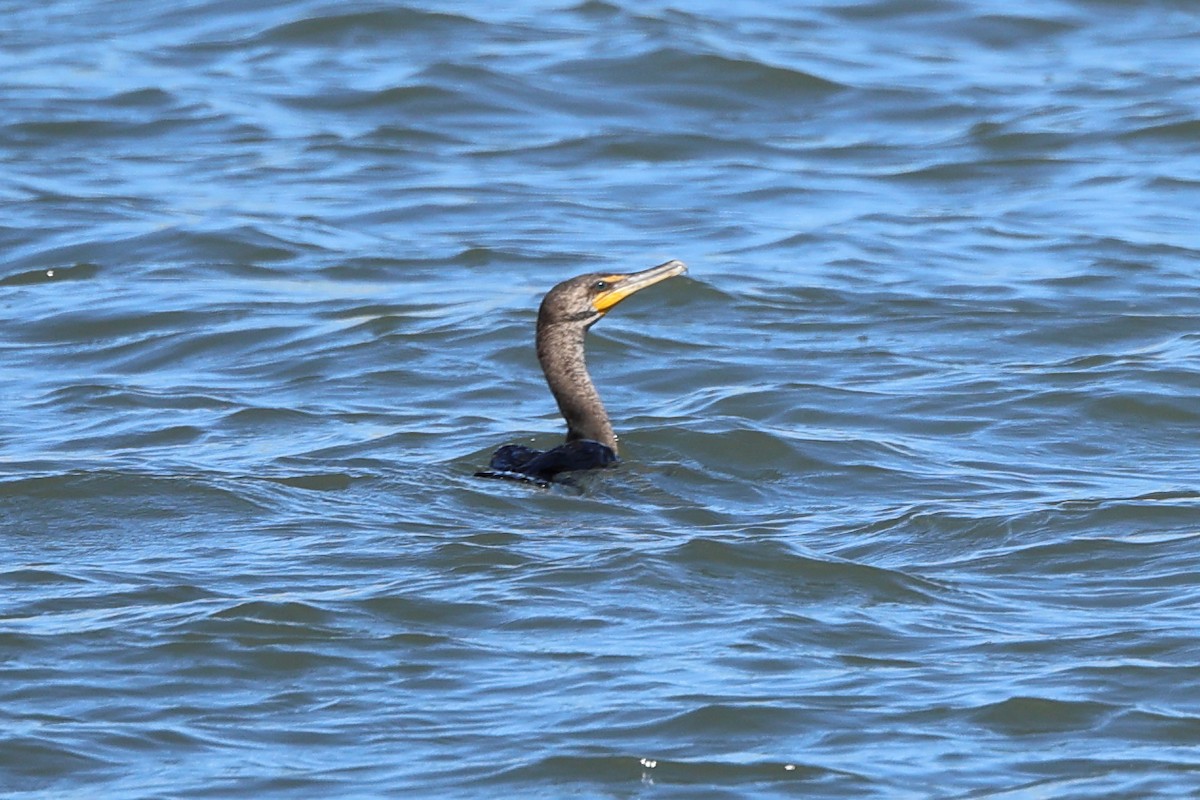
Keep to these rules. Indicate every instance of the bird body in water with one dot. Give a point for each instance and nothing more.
(566, 313)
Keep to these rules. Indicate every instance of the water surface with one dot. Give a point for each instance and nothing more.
(909, 504)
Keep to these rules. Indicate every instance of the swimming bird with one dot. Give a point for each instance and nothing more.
(566, 313)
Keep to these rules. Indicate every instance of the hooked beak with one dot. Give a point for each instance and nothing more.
(624, 285)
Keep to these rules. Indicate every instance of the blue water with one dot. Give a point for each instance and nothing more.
(909, 503)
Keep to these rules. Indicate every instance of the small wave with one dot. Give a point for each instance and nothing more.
(418, 99)
(650, 147)
(737, 82)
(777, 565)
(1146, 407)
(32, 576)
(149, 97)
(563, 770)
(283, 613)
(339, 29)
(30, 763)
(1183, 131)
(172, 252)
(261, 418)
(1036, 716)
(153, 497)
(77, 272)
(410, 609)
(327, 482)
(996, 30)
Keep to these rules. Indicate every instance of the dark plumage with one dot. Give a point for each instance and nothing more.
(567, 311)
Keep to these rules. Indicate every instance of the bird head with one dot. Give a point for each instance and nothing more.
(587, 298)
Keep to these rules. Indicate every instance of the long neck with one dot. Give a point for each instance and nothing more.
(560, 352)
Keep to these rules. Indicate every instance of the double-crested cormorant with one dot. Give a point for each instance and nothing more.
(567, 311)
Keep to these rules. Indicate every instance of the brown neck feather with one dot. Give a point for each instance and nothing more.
(560, 352)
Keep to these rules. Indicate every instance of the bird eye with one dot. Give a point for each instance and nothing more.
(600, 286)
